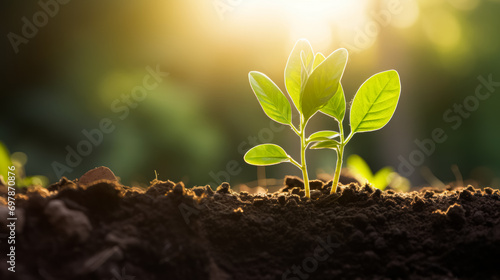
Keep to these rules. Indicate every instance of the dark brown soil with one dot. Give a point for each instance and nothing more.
(109, 231)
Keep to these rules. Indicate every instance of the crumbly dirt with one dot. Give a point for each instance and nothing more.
(103, 230)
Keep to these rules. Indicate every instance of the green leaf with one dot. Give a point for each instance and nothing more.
(294, 80)
(328, 144)
(266, 154)
(272, 100)
(323, 83)
(375, 102)
(307, 65)
(359, 166)
(336, 105)
(318, 59)
(5, 161)
(305, 72)
(381, 178)
(323, 135)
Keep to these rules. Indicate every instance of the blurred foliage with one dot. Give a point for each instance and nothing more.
(381, 179)
(362, 171)
(66, 77)
(4, 160)
(19, 160)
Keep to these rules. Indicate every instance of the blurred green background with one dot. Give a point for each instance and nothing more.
(195, 125)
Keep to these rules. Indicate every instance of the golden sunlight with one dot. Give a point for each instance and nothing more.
(322, 22)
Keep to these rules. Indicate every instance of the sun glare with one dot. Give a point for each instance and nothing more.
(321, 21)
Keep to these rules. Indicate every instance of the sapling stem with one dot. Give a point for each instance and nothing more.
(303, 147)
(294, 129)
(340, 155)
(294, 162)
(335, 182)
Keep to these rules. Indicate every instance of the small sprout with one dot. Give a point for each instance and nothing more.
(379, 180)
(313, 83)
(19, 160)
(4, 161)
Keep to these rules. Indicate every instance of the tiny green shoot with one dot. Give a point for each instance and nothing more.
(385, 177)
(18, 160)
(4, 161)
(363, 173)
(313, 83)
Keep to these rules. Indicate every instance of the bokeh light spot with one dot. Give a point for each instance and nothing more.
(464, 4)
(442, 28)
(408, 15)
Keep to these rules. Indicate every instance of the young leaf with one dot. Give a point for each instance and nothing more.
(293, 79)
(318, 59)
(359, 166)
(266, 154)
(336, 105)
(323, 83)
(375, 102)
(323, 136)
(307, 65)
(304, 73)
(4, 161)
(381, 178)
(328, 144)
(272, 100)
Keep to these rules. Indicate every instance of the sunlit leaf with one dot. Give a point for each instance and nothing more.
(328, 144)
(307, 66)
(359, 166)
(382, 178)
(318, 58)
(323, 135)
(272, 100)
(266, 154)
(375, 102)
(4, 161)
(323, 83)
(336, 105)
(294, 79)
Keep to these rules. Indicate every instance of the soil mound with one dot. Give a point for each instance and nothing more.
(103, 230)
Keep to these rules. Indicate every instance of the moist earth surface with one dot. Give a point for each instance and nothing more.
(100, 229)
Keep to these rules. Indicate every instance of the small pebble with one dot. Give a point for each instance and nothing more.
(96, 174)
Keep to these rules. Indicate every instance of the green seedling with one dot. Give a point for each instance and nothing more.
(313, 83)
(363, 173)
(18, 160)
(381, 180)
(4, 161)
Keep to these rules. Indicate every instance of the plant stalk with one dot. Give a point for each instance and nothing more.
(340, 154)
(303, 167)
